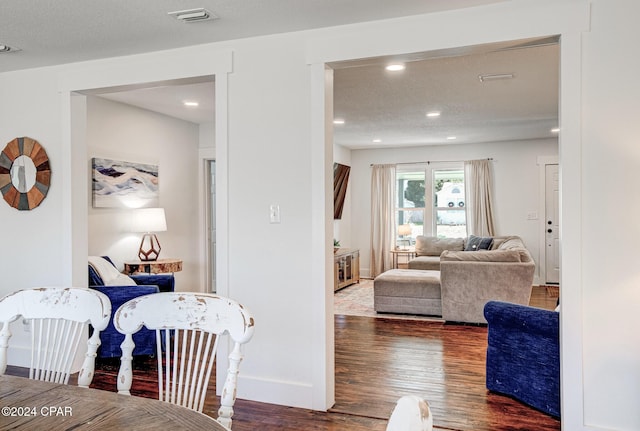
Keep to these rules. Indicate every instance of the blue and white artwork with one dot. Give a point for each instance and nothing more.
(119, 184)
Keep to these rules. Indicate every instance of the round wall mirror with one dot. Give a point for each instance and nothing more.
(25, 173)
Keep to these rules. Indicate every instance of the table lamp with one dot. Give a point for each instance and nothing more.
(149, 220)
(404, 230)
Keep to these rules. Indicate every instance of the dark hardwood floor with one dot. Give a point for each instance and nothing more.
(378, 361)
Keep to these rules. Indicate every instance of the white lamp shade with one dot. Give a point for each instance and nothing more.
(404, 229)
(149, 220)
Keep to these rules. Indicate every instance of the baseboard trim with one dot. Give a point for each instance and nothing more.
(292, 394)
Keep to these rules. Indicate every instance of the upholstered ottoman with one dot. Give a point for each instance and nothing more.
(408, 291)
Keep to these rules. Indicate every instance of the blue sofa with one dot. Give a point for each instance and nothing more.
(523, 354)
(144, 339)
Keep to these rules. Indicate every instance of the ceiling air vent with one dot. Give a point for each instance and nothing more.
(193, 15)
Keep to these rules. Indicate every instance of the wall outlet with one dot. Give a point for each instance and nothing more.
(26, 325)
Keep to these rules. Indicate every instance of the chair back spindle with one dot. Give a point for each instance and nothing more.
(188, 329)
(58, 319)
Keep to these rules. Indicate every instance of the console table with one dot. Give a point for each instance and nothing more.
(160, 266)
(347, 267)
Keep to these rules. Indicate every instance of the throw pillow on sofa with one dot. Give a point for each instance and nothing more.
(478, 243)
(109, 274)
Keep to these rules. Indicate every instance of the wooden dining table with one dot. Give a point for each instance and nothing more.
(34, 405)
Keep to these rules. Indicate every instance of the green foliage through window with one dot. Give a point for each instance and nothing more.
(415, 193)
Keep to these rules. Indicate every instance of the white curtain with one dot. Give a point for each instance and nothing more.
(478, 201)
(383, 193)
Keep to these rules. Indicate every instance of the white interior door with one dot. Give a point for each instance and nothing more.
(552, 225)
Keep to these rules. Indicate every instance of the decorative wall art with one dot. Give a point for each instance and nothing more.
(118, 184)
(25, 173)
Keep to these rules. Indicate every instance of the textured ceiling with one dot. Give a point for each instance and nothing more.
(392, 106)
(374, 103)
(169, 100)
(64, 31)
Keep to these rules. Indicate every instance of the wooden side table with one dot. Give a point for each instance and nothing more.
(409, 253)
(160, 266)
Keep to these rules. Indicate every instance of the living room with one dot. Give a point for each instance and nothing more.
(509, 118)
(260, 94)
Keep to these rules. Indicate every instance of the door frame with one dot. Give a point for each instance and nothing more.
(124, 72)
(569, 25)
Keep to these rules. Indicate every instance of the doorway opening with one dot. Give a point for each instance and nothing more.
(369, 137)
(168, 134)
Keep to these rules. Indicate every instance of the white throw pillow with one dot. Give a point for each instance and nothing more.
(108, 273)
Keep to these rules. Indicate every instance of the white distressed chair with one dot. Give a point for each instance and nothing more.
(411, 413)
(191, 325)
(58, 319)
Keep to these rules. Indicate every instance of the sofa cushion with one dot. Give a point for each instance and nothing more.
(426, 263)
(515, 243)
(478, 243)
(433, 246)
(510, 242)
(482, 256)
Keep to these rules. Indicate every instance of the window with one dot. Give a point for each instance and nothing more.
(448, 192)
(430, 201)
(410, 205)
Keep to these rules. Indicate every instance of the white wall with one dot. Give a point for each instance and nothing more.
(611, 162)
(207, 135)
(36, 235)
(269, 159)
(122, 132)
(516, 185)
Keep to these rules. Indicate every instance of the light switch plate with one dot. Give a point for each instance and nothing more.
(274, 213)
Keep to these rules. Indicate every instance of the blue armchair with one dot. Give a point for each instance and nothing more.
(111, 339)
(523, 354)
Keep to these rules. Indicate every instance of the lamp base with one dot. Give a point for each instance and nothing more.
(149, 247)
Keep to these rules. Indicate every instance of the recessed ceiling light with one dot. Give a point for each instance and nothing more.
(395, 67)
(377, 140)
(191, 104)
(495, 77)
(338, 121)
(193, 15)
(451, 138)
(433, 114)
(555, 130)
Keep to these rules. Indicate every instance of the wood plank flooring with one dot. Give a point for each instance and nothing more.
(377, 361)
(443, 363)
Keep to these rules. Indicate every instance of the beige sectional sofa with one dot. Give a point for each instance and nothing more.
(428, 251)
(468, 279)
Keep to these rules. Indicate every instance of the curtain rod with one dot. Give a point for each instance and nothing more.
(428, 162)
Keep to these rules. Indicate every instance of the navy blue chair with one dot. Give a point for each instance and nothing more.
(523, 354)
(110, 338)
